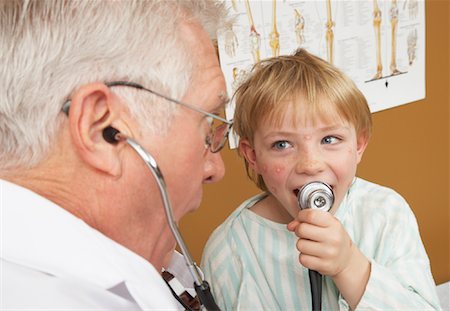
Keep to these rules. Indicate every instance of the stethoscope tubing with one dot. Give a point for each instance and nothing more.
(201, 286)
(153, 167)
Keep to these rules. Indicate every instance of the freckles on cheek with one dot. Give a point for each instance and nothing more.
(264, 169)
(278, 170)
(274, 177)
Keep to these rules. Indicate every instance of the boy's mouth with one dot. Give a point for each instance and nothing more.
(297, 190)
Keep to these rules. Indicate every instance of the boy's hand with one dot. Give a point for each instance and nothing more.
(326, 247)
(323, 243)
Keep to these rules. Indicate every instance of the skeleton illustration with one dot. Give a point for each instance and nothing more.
(299, 27)
(231, 42)
(412, 45)
(377, 26)
(274, 35)
(413, 8)
(394, 24)
(234, 4)
(239, 76)
(329, 34)
(255, 37)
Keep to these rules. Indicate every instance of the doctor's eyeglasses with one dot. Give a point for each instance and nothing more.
(219, 127)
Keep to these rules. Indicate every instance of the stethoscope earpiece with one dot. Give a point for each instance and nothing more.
(109, 134)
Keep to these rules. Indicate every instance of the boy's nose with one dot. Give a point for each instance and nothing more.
(309, 163)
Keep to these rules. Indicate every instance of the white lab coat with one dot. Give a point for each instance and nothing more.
(52, 260)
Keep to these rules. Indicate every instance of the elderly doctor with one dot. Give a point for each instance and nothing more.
(82, 220)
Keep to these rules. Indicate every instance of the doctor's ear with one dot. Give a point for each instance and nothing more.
(93, 109)
(248, 152)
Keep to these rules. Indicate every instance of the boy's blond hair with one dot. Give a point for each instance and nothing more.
(277, 83)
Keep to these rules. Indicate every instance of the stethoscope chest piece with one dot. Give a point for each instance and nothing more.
(316, 195)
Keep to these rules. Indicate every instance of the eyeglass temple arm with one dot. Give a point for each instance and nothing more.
(138, 86)
(66, 105)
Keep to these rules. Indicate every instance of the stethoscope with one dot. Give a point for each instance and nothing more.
(316, 195)
(201, 286)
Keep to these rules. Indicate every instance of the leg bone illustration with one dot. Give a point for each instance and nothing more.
(329, 34)
(274, 35)
(412, 45)
(394, 24)
(255, 37)
(299, 27)
(377, 26)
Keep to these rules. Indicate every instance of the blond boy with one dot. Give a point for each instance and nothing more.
(302, 120)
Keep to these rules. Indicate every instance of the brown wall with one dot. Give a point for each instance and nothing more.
(409, 152)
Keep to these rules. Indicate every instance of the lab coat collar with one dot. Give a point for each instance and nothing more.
(38, 234)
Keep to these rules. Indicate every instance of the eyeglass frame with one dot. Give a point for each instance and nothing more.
(209, 138)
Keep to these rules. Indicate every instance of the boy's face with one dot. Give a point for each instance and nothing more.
(300, 151)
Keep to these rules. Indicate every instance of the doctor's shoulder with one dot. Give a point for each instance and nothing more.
(27, 288)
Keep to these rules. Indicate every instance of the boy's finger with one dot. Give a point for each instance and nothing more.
(314, 217)
(292, 225)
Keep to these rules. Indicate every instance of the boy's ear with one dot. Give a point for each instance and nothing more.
(93, 108)
(361, 143)
(248, 152)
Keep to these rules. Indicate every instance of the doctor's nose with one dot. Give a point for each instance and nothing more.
(214, 168)
(309, 163)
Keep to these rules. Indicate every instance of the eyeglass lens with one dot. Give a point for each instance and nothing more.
(219, 136)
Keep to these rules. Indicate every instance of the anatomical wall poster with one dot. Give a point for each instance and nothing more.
(380, 44)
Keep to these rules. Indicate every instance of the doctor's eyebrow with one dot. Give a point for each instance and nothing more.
(223, 101)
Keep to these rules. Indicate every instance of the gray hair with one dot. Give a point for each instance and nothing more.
(49, 48)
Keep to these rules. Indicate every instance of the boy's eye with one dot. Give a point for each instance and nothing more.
(329, 140)
(281, 144)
